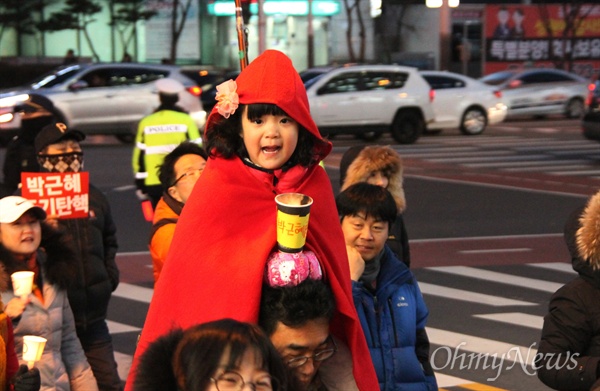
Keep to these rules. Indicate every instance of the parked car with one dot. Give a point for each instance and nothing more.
(103, 98)
(463, 102)
(590, 123)
(209, 91)
(541, 91)
(367, 100)
(314, 72)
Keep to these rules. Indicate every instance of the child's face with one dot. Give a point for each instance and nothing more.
(378, 178)
(270, 140)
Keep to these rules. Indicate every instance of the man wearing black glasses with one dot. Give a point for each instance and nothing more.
(296, 319)
(178, 174)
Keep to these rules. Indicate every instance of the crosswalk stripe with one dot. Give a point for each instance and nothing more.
(515, 318)
(123, 364)
(133, 292)
(503, 278)
(449, 381)
(116, 327)
(558, 266)
(473, 297)
(480, 387)
(460, 343)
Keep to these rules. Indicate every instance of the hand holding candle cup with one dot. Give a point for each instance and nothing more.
(22, 284)
(33, 347)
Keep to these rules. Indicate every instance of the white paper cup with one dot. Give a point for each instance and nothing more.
(33, 347)
(22, 283)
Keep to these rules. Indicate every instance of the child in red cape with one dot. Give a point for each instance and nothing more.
(262, 142)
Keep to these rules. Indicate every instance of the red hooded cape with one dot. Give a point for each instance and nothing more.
(226, 232)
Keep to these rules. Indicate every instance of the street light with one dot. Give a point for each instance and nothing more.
(445, 29)
(439, 3)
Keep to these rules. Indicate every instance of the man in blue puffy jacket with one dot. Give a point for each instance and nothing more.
(387, 297)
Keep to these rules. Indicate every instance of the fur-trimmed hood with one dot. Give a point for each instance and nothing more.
(374, 158)
(588, 234)
(59, 266)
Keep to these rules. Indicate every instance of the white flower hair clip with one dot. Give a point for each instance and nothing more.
(227, 98)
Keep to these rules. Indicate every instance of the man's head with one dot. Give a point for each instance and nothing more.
(168, 90)
(180, 170)
(58, 148)
(366, 213)
(296, 319)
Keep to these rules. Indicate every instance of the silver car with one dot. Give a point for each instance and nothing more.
(541, 91)
(108, 98)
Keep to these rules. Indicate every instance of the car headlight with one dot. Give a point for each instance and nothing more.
(6, 117)
(14, 100)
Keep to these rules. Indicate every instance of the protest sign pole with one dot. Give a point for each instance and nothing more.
(241, 35)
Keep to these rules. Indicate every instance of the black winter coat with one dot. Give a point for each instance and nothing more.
(569, 352)
(97, 273)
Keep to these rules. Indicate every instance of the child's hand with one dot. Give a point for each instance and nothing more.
(15, 307)
(356, 263)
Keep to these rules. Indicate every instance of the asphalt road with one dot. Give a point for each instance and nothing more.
(485, 217)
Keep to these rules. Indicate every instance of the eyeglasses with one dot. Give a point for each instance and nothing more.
(233, 381)
(195, 172)
(321, 355)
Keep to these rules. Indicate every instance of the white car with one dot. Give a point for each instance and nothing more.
(463, 102)
(103, 98)
(367, 100)
(541, 91)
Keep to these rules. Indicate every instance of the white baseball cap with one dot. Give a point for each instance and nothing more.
(169, 86)
(13, 207)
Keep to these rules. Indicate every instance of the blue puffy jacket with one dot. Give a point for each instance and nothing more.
(393, 318)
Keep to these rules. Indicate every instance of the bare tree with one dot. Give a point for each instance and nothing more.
(180, 10)
(16, 14)
(574, 13)
(391, 27)
(76, 15)
(352, 8)
(125, 18)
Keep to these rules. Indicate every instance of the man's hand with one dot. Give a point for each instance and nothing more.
(356, 263)
(26, 379)
(15, 307)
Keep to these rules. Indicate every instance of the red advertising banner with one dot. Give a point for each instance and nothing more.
(517, 36)
(61, 195)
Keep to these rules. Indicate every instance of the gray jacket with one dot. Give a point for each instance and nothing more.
(63, 366)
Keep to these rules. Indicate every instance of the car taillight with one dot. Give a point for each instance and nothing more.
(590, 96)
(431, 95)
(498, 93)
(195, 90)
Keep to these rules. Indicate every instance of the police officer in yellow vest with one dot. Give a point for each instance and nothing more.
(157, 135)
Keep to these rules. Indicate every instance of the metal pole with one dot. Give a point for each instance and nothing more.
(311, 36)
(241, 35)
(262, 36)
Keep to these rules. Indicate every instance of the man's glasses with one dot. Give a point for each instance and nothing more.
(195, 172)
(321, 355)
(233, 381)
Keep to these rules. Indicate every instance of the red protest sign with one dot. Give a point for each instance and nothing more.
(61, 195)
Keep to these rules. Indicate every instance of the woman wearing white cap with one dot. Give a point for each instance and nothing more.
(26, 244)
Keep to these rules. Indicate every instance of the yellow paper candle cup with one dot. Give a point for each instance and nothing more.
(293, 211)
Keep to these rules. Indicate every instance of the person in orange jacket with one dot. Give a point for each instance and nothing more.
(178, 174)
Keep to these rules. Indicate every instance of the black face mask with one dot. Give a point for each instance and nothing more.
(64, 162)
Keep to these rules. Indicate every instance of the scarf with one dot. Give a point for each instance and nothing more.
(64, 162)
